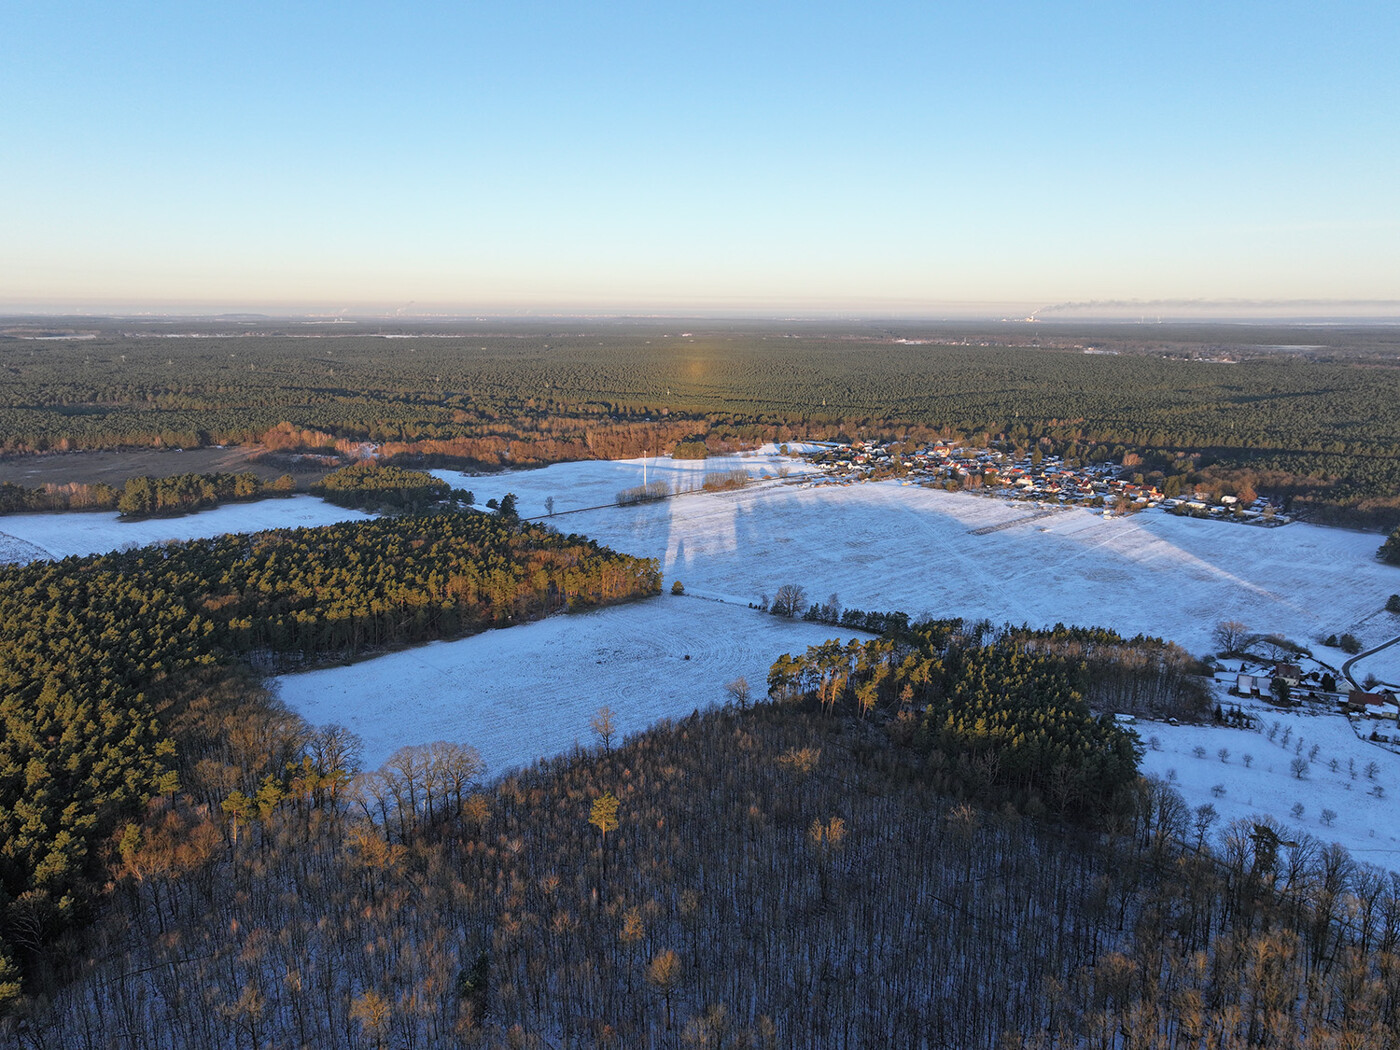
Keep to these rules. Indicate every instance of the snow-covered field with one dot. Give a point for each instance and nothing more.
(1362, 821)
(891, 546)
(1385, 665)
(530, 691)
(596, 483)
(25, 537)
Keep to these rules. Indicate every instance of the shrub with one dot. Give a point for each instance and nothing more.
(725, 480)
(651, 491)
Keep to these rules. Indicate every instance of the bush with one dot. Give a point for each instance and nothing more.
(724, 480)
(1393, 603)
(678, 587)
(1349, 644)
(648, 493)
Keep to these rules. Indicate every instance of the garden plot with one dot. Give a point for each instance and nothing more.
(890, 546)
(530, 691)
(1335, 799)
(26, 537)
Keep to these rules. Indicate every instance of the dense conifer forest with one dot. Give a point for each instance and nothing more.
(1319, 426)
(384, 486)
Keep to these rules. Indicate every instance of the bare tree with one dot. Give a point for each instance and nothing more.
(1203, 818)
(738, 692)
(791, 600)
(1230, 636)
(604, 725)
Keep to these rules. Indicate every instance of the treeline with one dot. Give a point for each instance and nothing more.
(767, 878)
(144, 497)
(147, 497)
(790, 600)
(373, 485)
(1390, 549)
(1136, 676)
(1324, 433)
(24, 499)
(97, 657)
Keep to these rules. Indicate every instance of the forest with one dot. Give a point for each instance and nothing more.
(1320, 428)
(1003, 717)
(107, 662)
(778, 876)
(377, 486)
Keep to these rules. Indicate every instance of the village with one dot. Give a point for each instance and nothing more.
(1043, 479)
(1308, 683)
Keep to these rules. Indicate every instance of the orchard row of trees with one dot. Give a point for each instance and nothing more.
(100, 657)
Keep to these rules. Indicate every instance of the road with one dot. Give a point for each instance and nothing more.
(1346, 667)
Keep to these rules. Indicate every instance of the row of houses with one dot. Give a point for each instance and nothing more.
(1376, 704)
(1042, 479)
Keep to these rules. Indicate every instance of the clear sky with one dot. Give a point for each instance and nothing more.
(482, 155)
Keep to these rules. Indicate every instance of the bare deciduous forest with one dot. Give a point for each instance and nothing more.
(774, 878)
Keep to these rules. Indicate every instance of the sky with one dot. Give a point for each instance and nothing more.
(482, 156)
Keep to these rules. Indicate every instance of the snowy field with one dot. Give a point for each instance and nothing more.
(530, 691)
(26, 537)
(886, 545)
(1363, 822)
(596, 483)
(1385, 665)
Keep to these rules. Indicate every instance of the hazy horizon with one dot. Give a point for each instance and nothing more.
(1147, 311)
(753, 159)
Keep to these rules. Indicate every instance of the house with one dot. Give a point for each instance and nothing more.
(1360, 700)
(1246, 685)
(1290, 673)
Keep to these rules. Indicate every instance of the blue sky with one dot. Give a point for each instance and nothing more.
(746, 156)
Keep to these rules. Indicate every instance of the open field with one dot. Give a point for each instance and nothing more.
(530, 691)
(62, 535)
(114, 468)
(890, 546)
